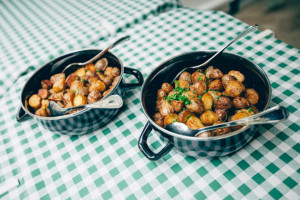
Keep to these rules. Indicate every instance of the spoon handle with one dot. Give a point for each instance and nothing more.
(117, 42)
(245, 32)
(271, 115)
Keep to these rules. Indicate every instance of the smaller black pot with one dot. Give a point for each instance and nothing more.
(86, 120)
(201, 147)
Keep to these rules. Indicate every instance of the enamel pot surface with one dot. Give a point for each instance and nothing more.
(215, 146)
(88, 119)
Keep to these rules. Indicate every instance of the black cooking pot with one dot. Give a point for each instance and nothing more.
(88, 119)
(193, 146)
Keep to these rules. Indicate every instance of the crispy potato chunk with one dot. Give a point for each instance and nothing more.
(220, 131)
(167, 87)
(209, 117)
(226, 78)
(97, 86)
(101, 64)
(80, 72)
(194, 123)
(195, 106)
(165, 107)
(216, 85)
(46, 84)
(198, 76)
(41, 112)
(208, 101)
(199, 87)
(224, 103)
(182, 84)
(35, 101)
(170, 118)
(190, 95)
(184, 115)
(161, 93)
(252, 96)
(186, 76)
(234, 89)
(211, 72)
(94, 96)
(43, 93)
(159, 120)
(240, 102)
(237, 74)
(57, 77)
(79, 100)
(91, 67)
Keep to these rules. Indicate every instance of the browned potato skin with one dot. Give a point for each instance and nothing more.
(208, 101)
(220, 131)
(80, 72)
(101, 64)
(247, 111)
(165, 108)
(35, 101)
(209, 117)
(252, 96)
(234, 89)
(46, 84)
(170, 118)
(43, 93)
(91, 67)
(112, 72)
(205, 134)
(240, 102)
(158, 103)
(106, 92)
(177, 105)
(198, 76)
(106, 80)
(167, 87)
(186, 76)
(115, 81)
(182, 84)
(68, 99)
(191, 95)
(216, 85)
(184, 115)
(97, 86)
(237, 116)
(91, 79)
(41, 112)
(199, 87)
(194, 123)
(159, 120)
(161, 93)
(57, 77)
(82, 91)
(224, 103)
(211, 72)
(222, 114)
(71, 78)
(237, 74)
(56, 96)
(216, 95)
(75, 85)
(226, 78)
(79, 100)
(94, 96)
(196, 106)
(59, 85)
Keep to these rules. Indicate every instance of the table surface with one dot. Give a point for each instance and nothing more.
(108, 164)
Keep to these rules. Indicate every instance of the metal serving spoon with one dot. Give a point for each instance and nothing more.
(245, 32)
(74, 66)
(111, 102)
(269, 116)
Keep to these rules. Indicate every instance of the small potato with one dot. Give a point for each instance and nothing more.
(82, 91)
(182, 84)
(79, 100)
(112, 72)
(115, 81)
(237, 74)
(45, 104)
(226, 78)
(105, 79)
(157, 116)
(56, 96)
(222, 114)
(159, 120)
(101, 64)
(195, 106)
(237, 116)
(224, 103)
(209, 117)
(90, 67)
(216, 95)
(170, 118)
(167, 87)
(252, 96)
(254, 109)
(106, 92)
(234, 88)
(75, 85)
(165, 107)
(199, 87)
(186, 76)
(161, 93)
(208, 101)
(190, 95)
(249, 111)
(68, 98)
(216, 85)
(91, 79)
(80, 72)
(71, 78)
(220, 131)
(214, 73)
(240, 102)
(46, 84)
(194, 123)
(90, 73)
(94, 96)
(177, 105)
(97, 86)
(41, 112)
(198, 76)
(57, 77)
(184, 115)
(59, 85)
(43, 93)
(35, 101)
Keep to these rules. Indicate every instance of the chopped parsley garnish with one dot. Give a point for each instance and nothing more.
(250, 109)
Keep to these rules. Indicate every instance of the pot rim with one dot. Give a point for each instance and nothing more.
(176, 135)
(81, 111)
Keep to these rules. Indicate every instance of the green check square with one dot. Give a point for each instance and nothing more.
(187, 181)
(229, 175)
(272, 168)
(161, 178)
(275, 194)
(244, 189)
(215, 185)
(173, 192)
(258, 178)
(291, 183)
(122, 185)
(147, 188)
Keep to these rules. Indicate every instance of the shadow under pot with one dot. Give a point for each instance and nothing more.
(214, 146)
(85, 120)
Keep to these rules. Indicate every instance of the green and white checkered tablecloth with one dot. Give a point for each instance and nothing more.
(33, 32)
(107, 163)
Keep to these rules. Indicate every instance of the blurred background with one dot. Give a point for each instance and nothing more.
(278, 17)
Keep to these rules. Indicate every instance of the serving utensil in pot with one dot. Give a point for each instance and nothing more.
(73, 66)
(245, 32)
(111, 102)
(269, 116)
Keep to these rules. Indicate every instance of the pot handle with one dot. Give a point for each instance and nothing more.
(143, 146)
(21, 115)
(138, 75)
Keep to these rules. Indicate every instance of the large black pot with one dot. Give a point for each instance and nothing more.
(88, 119)
(193, 146)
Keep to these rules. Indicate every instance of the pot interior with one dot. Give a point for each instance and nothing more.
(57, 65)
(255, 77)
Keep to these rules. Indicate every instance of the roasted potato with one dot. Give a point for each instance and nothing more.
(101, 64)
(224, 103)
(238, 75)
(209, 117)
(194, 123)
(170, 118)
(90, 67)
(215, 85)
(220, 131)
(177, 105)
(222, 114)
(46, 84)
(234, 88)
(182, 84)
(159, 120)
(35, 101)
(167, 87)
(79, 100)
(240, 102)
(161, 93)
(43, 93)
(165, 107)
(97, 86)
(199, 87)
(190, 95)
(208, 101)
(252, 96)
(198, 76)
(195, 106)
(186, 76)
(211, 72)
(94, 96)
(225, 80)
(184, 115)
